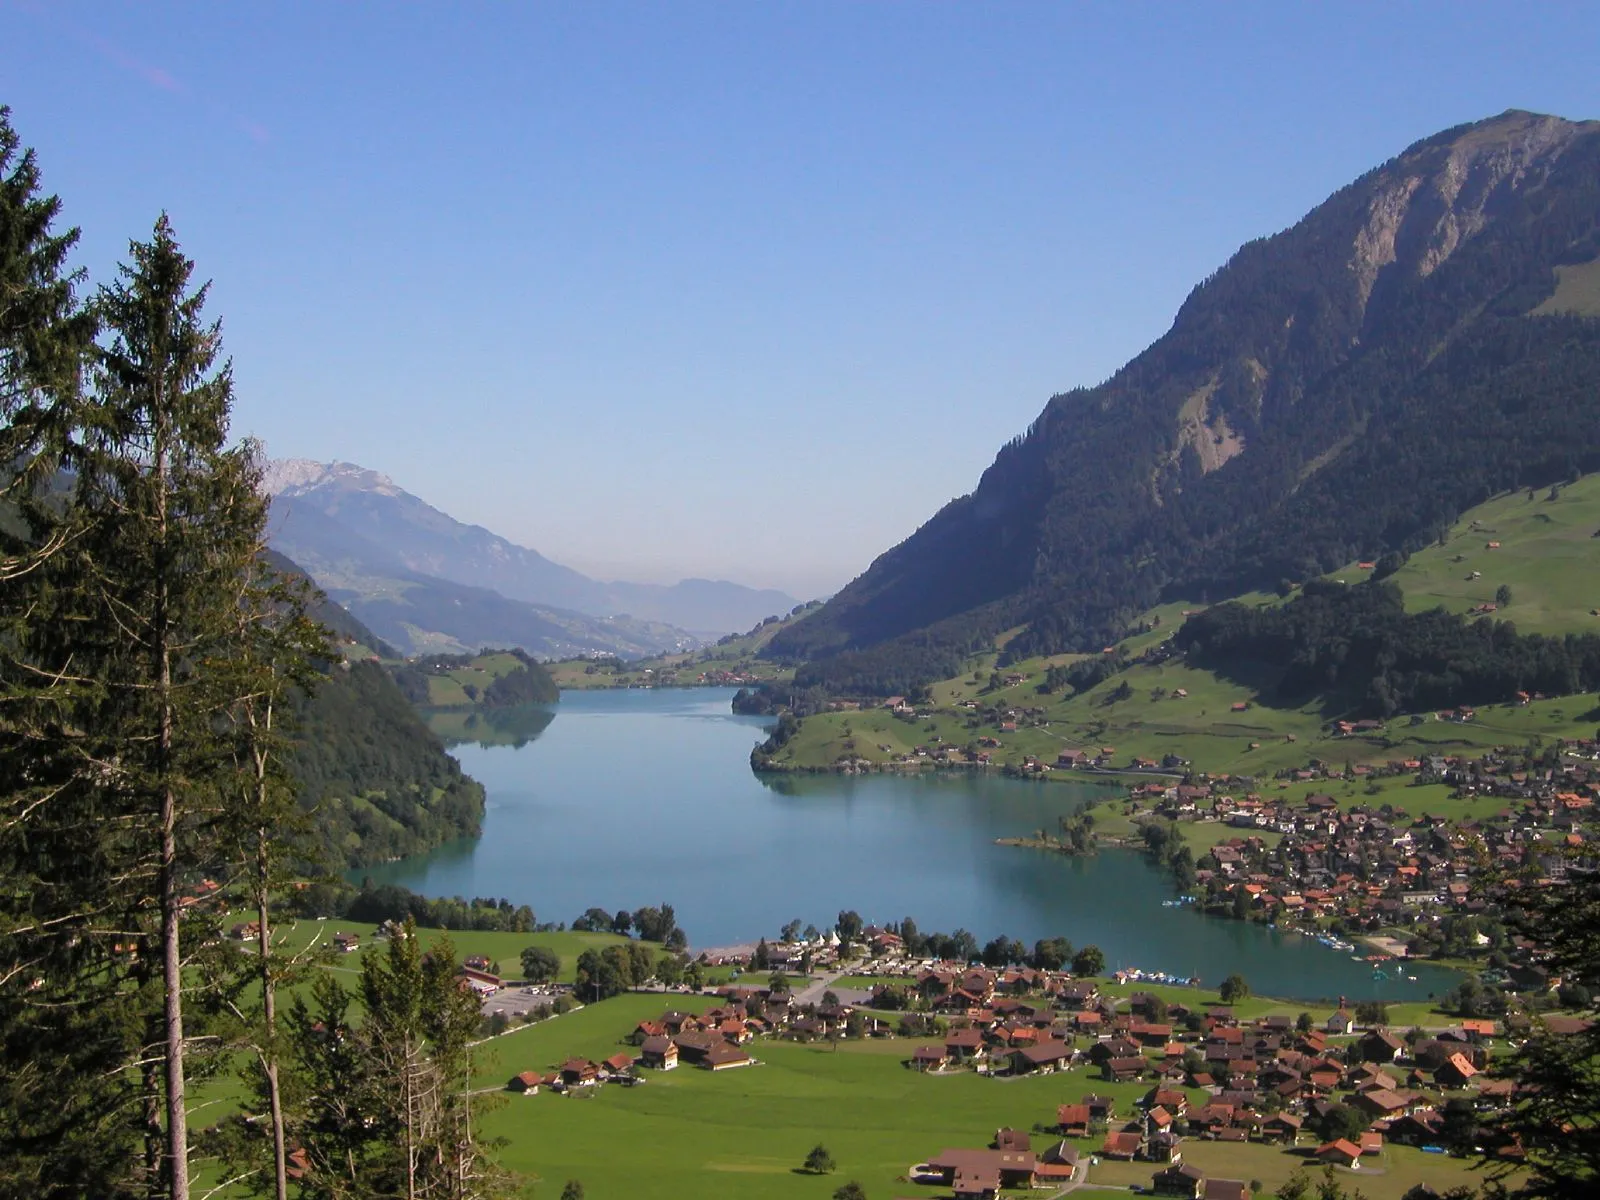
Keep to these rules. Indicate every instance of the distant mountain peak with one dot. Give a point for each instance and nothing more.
(345, 523)
(296, 476)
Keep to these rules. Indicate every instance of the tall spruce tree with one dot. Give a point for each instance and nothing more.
(176, 524)
(66, 1029)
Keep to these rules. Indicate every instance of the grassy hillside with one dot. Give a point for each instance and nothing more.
(732, 660)
(1545, 554)
(1577, 291)
(486, 680)
(1545, 551)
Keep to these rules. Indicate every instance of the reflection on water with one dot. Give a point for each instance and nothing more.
(626, 798)
(514, 726)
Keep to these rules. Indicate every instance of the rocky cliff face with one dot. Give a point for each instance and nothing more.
(1281, 374)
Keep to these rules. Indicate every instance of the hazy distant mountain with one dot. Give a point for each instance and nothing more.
(1423, 339)
(353, 529)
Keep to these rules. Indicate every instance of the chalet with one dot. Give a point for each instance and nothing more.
(647, 1029)
(1101, 1108)
(1342, 1022)
(724, 1056)
(1455, 1072)
(1419, 1128)
(1123, 1146)
(1379, 1045)
(1339, 1153)
(694, 1046)
(964, 1044)
(579, 1072)
(1124, 1070)
(1116, 1047)
(346, 943)
(1163, 1146)
(930, 1058)
(1078, 994)
(1174, 1101)
(618, 1064)
(1045, 1056)
(1011, 1139)
(1380, 1102)
(982, 1173)
(527, 1082)
(1211, 1118)
(1225, 1189)
(1073, 1120)
(1282, 1127)
(1179, 1179)
(659, 1052)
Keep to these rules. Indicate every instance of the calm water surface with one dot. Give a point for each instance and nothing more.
(628, 798)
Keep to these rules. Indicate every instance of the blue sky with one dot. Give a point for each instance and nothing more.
(738, 290)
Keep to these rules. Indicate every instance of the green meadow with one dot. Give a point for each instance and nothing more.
(1544, 550)
(736, 655)
(743, 1134)
(298, 937)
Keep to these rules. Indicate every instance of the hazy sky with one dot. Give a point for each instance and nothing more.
(732, 289)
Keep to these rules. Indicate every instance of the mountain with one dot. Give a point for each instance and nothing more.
(421, 614)
(361, 517)
(1422, 340)
(377, 782)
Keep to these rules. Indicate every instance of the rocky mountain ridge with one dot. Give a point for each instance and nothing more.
(1343, 388)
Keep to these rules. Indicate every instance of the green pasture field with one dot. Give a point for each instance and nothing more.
(1577, 291)
(448, 689)
(1547, 555)
(1200, 727)
(743, 1134)
(504, 948)
(677, 670)
(1394, 1171)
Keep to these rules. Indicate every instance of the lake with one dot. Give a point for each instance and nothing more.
(626, 798)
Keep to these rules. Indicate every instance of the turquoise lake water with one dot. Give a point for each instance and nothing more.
(627, 798)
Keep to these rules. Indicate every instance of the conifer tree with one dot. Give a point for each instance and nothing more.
(278, 651)
(64, 1030)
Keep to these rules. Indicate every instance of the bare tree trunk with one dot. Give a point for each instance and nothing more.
(409, 1068)
(280, 1161)
(172, 981)
(171, 951)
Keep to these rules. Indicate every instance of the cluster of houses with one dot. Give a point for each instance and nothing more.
(718, 1039)
(1271, 1081)
(1375, 868)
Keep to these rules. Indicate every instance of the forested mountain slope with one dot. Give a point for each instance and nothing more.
(377, 782)
(1343, 388)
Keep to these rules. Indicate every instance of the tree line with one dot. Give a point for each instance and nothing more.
(1359, 648)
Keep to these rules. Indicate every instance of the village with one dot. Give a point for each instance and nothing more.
(1411, 884)
(1145, 1077)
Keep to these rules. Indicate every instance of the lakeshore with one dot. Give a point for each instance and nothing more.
(651, 799)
